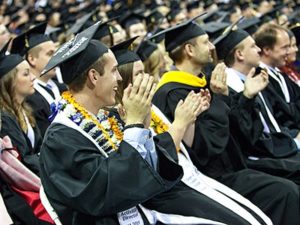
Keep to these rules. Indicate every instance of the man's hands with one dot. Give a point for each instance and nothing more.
(255, 84)
(137, 99)
(218, 80)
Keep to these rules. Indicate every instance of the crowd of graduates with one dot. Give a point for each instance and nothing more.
(149, 112)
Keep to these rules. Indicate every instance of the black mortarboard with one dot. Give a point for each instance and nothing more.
(296, 31)
(75, 28)
(145, 49)
(271, 15)
(123, 53)
(250, 25)
(28, 40)
(177, 35)
(154, 17)
(76, 55)
(214, 29)
(130, 18)
(8, 62)
(158, 38)
(228, 40)
(173, 13)
(104, 29)
(192, 5)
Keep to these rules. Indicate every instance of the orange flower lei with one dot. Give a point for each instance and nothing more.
(112, 121)
(157, 124)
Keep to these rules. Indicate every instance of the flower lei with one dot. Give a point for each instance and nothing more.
(157, 124)
(106, 131)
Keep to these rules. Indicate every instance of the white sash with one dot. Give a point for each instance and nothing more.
(55, 90)
(45, 94)
(4, 216)
(213, 189)
(280, 80)
(235, 82)
(151, 215)
(30, 131)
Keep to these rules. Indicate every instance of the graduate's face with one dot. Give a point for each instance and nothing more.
(41, 59)
(293, 51)
(107, 84)
(137, 30)
(250, 52)
(138, 68)
(203, 50)
(23, 81)
(279, 53)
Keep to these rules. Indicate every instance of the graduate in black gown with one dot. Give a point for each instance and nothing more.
(90, 174)
(283, 94)
(37, 48)
(268, 146)
(201, 191)
(214, 150)
(16, 121)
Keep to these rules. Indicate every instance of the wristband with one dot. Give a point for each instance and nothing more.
(137, 125)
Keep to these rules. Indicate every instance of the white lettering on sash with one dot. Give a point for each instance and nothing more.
(130, 217)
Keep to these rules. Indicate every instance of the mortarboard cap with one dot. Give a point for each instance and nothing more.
(229, 39)
(154, 17)
(123, 53)
(158, 38)
(173, 13)
(8, 62)
(145, 49)
(296, 31)
(192, 5)
(250, 25)
(29, 39)
(76, 55)
(271, 15)
(214, 29)
(177, 35)
(130, 18)
(79, 24)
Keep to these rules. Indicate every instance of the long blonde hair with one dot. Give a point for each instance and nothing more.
(9, 103)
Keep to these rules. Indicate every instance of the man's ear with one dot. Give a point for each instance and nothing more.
(31, 60)
(189, 50)
(267, 51)
(239, 55)
(93, 76)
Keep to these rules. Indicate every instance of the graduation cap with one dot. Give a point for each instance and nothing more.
(76, 55)
(229, 39)
(296, 31)
(8, 62)
(177, 35)
(158, 38)
(29, 39)
(271, 15)
(173, 13)
(123, 53)
(192, 5)
(250, 25)
(154, 17)
(215, 29)
(130, 18)
(145, 49)
(79, 24)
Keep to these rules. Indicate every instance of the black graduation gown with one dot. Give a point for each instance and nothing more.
(286, 114)
(276, 152)
(29, 154)
(41, 108)
(86, 188)
(216, 153)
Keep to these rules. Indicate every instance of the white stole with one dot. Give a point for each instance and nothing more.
(211, 188)
(30, 132)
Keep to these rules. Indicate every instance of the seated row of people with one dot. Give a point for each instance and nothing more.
(102, 165)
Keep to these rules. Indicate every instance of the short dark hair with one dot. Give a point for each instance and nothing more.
(78, 83)
(266, 36)
(178, 53)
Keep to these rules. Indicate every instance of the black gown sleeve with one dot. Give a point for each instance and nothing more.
(29, 156)
(76, 175)
(41, 111)
(247, 127)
